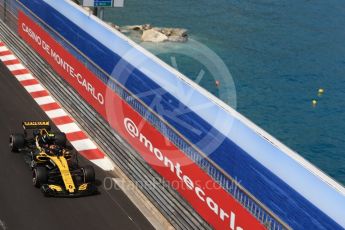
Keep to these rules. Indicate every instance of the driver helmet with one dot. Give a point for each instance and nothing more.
(54, 150)
(47, 137)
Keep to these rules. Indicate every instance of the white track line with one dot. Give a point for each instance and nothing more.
(34, 88)
(104, 163)
(9, 57)
(69, 128)
(44, 100)
(16, 67)
(24, 77)
(56, 113)
(3, 48)
(85, 144)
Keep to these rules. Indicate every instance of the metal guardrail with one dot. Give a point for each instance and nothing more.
(260, 211)
(165, 198)
(168, 201)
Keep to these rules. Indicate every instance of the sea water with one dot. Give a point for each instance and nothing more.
(279, 54)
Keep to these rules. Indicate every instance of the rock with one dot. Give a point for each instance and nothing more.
(179, 32)
(116, 27)
(134, 27)
(174, 34)
(146, 27)
(138, 27)
(124, 31)
(158, 34)
(177, 39)
(166, 31)
(152, 35)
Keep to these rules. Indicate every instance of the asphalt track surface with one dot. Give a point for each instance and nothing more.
(22, 206)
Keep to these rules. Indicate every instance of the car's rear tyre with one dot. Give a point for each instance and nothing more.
(17, 142)
(88, 174)
(60, 139)
(39, 176)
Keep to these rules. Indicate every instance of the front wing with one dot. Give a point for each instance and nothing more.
(52, 190)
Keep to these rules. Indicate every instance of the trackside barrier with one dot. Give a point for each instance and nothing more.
(241, 195)
(160, 193)
(231, 213)
(138, 136)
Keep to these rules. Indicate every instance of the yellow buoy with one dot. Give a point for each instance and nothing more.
(314, 102)
(320, 92)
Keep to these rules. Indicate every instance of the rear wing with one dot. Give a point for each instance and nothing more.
(36, 125)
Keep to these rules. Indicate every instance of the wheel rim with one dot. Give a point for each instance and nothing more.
(84, 175)
(34, 178)
(11, 142)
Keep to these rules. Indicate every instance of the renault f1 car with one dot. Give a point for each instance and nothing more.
(53, 169)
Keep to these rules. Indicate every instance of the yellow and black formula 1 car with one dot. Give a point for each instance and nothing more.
(53, 168)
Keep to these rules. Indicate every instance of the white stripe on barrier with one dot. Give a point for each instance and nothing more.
(69, 128)
(85, 144)
(24, 77)
(15, 67)
(34, 88)
(9, 57)
(56, 113)
(44, 100)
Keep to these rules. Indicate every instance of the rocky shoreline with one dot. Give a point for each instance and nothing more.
(149, 33)
(154, 34)
(157, 34)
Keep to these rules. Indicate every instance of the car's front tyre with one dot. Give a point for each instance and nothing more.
(88, 174)
(39, 176)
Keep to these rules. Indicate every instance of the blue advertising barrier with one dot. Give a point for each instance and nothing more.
(275, 175)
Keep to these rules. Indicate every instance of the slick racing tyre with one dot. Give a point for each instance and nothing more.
(39, 176)
(88, 174)
(17, 142)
